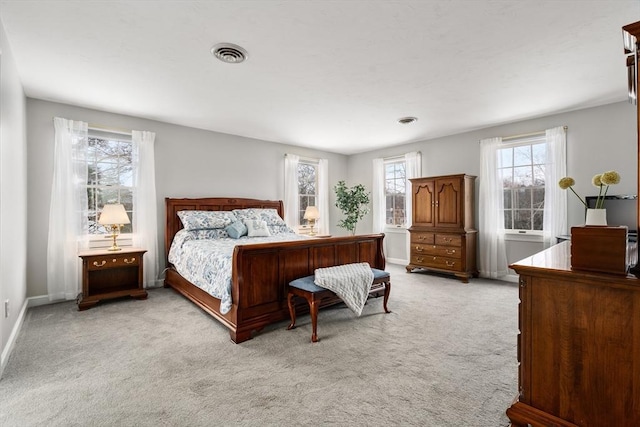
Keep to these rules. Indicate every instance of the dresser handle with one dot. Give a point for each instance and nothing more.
(126, 261)
(420, 237)
(420, 259)
(451, 251)
(449, 240)
(434, 258)
(418, 249)
(99, 265)
(450, 263)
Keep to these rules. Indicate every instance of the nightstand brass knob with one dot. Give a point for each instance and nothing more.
(99, 265)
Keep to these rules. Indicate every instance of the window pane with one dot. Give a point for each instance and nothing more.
(522, 155)
(538, 198)
(522, 198)
(522, 219)
(539, 153)
(505, 157)
(507, 199)
(522, 176)
(107, 173)
(508, 217)
(538, 175)
(506, 177)
(538, 216)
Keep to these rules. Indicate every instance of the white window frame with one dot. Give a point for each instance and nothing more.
(103, 240)
(304, 227)
(519, 234)
(395, 228)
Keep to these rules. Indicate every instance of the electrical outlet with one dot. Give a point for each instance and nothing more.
(6, 308)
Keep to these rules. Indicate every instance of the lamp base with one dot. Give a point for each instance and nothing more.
(114, 246)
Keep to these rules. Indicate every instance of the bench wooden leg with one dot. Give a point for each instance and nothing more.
(292, 311)
(387, 291)
(313, 308)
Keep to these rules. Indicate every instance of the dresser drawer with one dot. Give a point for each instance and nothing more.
(424, 238)
(108, 261)
(448, 240)
(443, 263)
(446, 251)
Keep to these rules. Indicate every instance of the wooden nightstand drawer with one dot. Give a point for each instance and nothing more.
(110, 261)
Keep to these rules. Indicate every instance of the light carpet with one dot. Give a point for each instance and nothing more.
(445, 356)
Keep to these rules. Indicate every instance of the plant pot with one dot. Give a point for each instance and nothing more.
(596, 217)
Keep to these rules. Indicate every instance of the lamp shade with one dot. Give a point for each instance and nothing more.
(114, 214)
(311, 213)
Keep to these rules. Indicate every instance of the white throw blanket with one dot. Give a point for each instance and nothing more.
(351, 282)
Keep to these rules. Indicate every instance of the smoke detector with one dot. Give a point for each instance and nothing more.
(407, 120)
(229, 53)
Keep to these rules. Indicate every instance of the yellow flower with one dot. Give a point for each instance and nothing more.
(597, 180)
(567, 182)
(610, 177)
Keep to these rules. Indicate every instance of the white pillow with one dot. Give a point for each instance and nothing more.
(257, 228)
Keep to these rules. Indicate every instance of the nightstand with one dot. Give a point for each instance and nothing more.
(111, 274)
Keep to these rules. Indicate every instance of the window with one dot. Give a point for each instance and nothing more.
(521, 171)
(307, 187)
(395, 179)
(110, 176)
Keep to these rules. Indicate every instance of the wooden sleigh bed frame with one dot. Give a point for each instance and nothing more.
(261, 272)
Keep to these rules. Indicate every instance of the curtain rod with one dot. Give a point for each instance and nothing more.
(109, 129)
(524, 135)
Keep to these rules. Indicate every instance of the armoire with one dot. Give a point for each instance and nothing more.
(442, 234)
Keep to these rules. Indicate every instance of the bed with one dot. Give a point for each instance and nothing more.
(261, 272)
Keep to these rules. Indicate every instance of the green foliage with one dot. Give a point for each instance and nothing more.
(354, 204)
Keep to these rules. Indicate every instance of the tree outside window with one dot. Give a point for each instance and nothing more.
(521, 171)
(110, 178)
(395, 178)
(307, 187)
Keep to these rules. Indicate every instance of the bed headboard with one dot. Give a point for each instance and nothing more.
(172, 206)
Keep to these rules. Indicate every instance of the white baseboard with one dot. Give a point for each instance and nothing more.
(4, 358)
(37, 301)
(397, 261)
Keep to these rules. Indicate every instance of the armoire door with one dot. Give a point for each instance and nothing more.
(448, 200)
(423, 203)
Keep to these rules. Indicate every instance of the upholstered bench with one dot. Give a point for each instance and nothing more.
(305, 287)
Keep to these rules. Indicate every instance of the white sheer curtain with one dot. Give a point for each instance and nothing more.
(413, 169)
(555, 199)
(68, 210)
(291, 203)
(378, 198)
(492, 254)
(323, 196)
(145, 218)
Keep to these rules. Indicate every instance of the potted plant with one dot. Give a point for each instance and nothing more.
(354, 204)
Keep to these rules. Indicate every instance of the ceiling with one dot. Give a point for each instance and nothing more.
(328, 74)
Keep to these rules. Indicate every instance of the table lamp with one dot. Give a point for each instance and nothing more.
(311, 214)
(114, 216)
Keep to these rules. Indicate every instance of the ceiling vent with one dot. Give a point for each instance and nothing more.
(407, 120)
(229, 53)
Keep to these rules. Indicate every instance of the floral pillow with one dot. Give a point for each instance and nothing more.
(257, 228)
(236, 230)
(201, 220)
(270, 216)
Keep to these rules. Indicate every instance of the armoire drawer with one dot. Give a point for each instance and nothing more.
(443, 263)
(423, 238)
(446, 251)
(448, 239)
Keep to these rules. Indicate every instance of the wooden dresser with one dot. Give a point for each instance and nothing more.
(442, 233)
(579, 345)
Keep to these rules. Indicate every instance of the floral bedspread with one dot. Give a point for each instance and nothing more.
(204, 258)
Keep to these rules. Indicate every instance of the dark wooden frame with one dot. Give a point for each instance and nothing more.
(262, 272)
